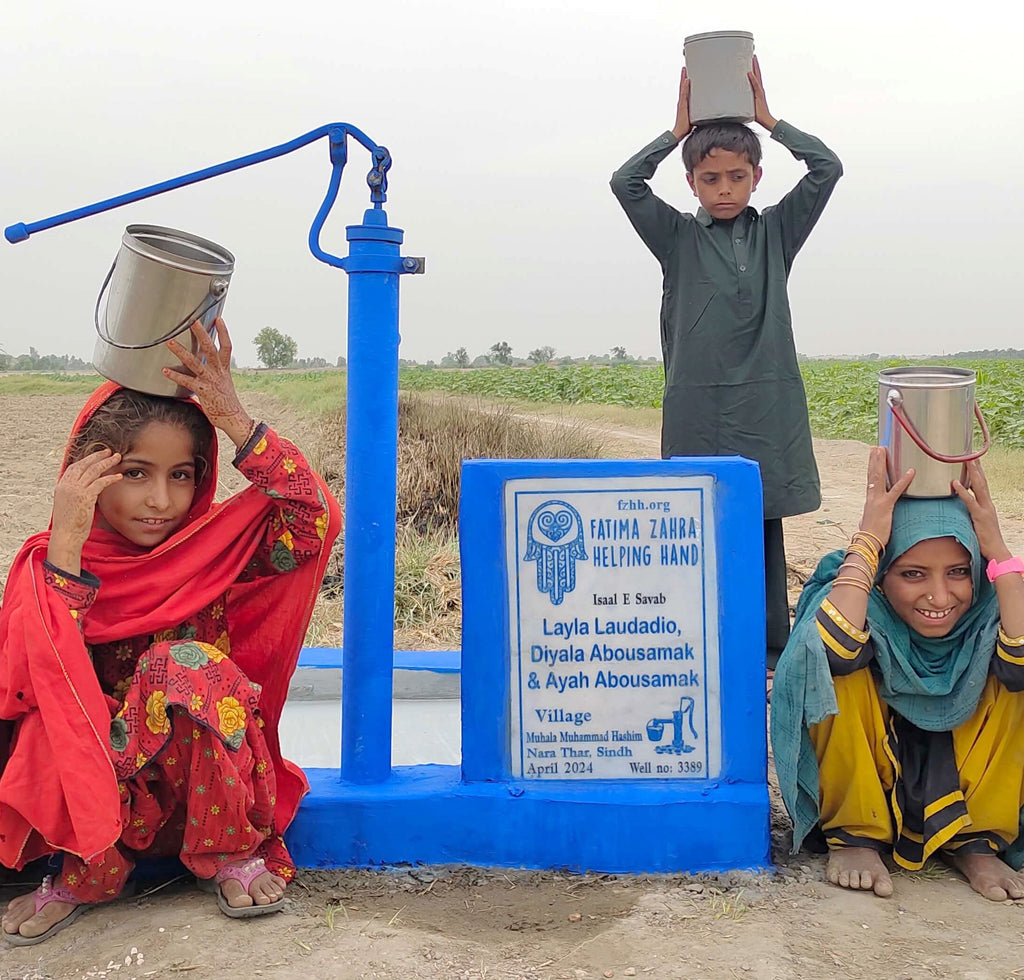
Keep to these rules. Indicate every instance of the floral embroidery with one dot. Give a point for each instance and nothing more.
(192, 655)
(222, 645)
(289, 465)
(195, 702)
(261, 447)
(281, 557)
(121, 688)
(156, 713)
(118, 734)
(232, 720)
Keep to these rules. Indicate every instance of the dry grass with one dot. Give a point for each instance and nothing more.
(435, 435)
(428, 591)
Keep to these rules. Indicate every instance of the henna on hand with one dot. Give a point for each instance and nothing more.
(211, 380)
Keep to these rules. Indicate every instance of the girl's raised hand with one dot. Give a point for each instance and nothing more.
(74, 506)
(879, 502)
(983, 512)
(211, 380)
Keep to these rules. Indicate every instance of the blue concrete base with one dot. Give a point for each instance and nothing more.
(427, 815)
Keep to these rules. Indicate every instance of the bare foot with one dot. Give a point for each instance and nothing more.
(859, 868)
(989, 876)
(264, 890)
(20, 916)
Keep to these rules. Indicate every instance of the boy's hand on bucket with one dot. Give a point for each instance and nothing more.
(878, 500)
(761, 113)
(211, 381)
(683, 124)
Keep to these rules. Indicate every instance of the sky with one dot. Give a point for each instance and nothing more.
(505, 121)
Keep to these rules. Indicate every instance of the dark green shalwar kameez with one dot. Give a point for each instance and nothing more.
(732, 385)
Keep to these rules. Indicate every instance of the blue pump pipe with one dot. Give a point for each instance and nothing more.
(371, 453)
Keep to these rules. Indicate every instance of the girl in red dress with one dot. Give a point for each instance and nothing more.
(146, 643)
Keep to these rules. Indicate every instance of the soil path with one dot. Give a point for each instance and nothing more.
(470, 925)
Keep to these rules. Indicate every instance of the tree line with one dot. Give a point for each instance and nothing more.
(34, 361)
(275, 349)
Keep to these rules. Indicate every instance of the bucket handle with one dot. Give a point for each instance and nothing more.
(895, 401)
(218, 287)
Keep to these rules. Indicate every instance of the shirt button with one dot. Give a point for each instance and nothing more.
(739, 241)
(743, 268)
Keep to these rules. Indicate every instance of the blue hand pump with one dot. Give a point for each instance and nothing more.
(373, 265)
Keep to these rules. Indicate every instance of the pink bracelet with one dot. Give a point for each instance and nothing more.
(997, 568)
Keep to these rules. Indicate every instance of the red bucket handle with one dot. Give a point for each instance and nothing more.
(895, 401)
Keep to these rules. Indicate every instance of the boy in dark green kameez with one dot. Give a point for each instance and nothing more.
(732, 384)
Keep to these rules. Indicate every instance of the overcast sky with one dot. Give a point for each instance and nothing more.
(505, 121)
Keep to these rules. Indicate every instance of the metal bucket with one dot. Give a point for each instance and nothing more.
(161, 282)
(717, 64)
(926, 421)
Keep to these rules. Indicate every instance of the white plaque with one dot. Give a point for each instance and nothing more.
(613, 604)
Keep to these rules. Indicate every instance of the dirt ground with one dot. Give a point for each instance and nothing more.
(473, 924)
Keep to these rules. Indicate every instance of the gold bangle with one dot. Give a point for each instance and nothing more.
(854, 567)
(859, 541)
(854, 582)
(855, 547)
(865, 580)
(873, 539)
(870, 561)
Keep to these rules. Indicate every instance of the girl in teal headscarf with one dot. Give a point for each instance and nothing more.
(898, 704)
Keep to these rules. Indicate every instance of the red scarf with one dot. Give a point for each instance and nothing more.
(58, 790)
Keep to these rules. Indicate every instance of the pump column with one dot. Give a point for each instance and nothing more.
(371, 455)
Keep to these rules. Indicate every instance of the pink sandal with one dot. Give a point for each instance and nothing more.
(48, 892)
(245, 874)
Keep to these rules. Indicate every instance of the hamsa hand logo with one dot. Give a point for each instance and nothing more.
(554, 540)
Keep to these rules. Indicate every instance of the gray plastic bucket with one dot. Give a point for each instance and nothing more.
(926, 421)
(161, 282)
(717, 64)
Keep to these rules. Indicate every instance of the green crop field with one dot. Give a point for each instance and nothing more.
(842, 396)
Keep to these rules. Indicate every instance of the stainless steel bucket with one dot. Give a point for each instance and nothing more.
(926, 421)
(717, 64)
(161, 282)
